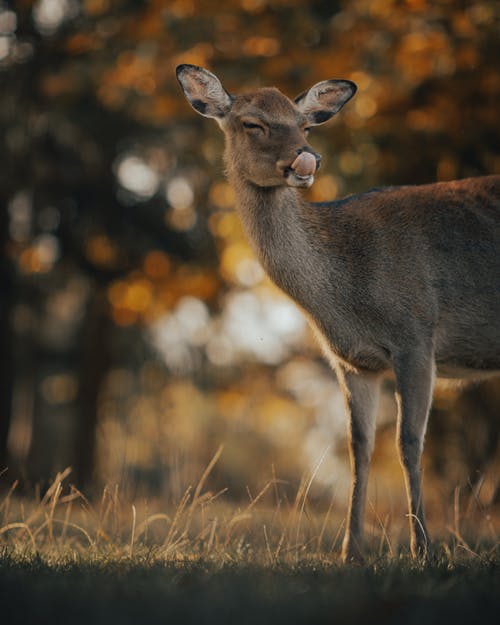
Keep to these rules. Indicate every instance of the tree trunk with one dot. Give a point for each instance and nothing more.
(6, 363)
(95, 361)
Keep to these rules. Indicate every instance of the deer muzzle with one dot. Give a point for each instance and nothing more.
(302, 170)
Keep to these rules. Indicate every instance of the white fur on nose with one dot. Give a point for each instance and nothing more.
(304, 164)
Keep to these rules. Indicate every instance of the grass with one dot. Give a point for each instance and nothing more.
(140, 590)
(205, 560)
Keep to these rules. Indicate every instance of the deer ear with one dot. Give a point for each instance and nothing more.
(325, 99)
(204, 91)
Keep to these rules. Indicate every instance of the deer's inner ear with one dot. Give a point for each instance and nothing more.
(204, 91)
(324, 100)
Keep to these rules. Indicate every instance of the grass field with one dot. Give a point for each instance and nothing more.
(64, 559)
(102, 589)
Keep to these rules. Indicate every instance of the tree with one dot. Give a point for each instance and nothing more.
(117, 225)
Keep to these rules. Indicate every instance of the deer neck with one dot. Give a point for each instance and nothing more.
(274, 220)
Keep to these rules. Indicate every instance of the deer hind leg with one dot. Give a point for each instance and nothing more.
(415, 376)
(361, 398)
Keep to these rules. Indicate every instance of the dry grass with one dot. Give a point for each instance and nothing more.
(206, 560)
(269, 529)
(201, 526)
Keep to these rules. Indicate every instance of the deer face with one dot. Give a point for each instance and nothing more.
(266, 133)
(265, 136)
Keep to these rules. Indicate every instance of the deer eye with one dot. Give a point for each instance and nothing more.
(253, 126)
(307, 130)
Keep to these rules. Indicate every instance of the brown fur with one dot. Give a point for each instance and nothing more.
(402, 279)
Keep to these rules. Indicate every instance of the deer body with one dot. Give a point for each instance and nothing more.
(402, 279)
(343, 263)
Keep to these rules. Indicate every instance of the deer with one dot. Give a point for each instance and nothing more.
(401, 281)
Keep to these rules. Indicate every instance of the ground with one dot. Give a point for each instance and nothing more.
(138, 590)
(203, 559)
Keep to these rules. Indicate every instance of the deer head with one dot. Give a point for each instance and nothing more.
(266, 132)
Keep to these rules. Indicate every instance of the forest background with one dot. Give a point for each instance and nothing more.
(138, 332)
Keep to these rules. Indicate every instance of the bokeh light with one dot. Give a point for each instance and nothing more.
(138, 316)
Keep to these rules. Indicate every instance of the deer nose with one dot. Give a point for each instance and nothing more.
(315, 154)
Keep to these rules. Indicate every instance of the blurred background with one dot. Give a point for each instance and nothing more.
(138, 332)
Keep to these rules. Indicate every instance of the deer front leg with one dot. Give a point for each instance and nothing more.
(415, 374)
(361, 398)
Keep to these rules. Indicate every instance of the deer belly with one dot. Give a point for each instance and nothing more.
(468, 351)
(351, 351)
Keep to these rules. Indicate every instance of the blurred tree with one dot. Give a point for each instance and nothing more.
(71, 233)
(6, 369)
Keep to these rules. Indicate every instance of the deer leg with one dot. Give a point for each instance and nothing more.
(361, 395)
(415, 376)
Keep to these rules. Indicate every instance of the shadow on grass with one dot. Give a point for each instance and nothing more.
(141, 591)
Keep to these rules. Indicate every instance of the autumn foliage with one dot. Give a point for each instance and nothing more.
(139, 331)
